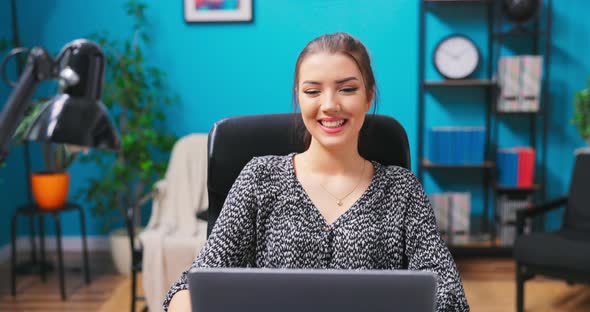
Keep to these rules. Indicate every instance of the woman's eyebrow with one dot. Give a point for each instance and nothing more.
(311, 82)
(337, 81)
(346, 79)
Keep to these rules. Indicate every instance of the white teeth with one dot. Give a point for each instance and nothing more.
(332, 124)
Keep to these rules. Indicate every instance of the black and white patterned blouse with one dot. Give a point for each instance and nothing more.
(269, 221)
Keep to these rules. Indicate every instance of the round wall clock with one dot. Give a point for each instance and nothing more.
(456, 57)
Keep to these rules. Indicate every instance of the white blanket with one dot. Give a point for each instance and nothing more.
(173, 236)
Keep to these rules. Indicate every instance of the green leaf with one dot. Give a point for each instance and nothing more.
(581, 114)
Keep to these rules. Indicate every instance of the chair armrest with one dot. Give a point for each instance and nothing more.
(522, 215)
(130, 217)
(203, 215)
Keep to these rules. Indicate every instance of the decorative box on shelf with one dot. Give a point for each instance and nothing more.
(453, 215)
(519, 79)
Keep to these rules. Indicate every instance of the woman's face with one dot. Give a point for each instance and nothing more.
(332, 98)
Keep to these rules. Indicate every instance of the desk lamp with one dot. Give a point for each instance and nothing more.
(75, 116)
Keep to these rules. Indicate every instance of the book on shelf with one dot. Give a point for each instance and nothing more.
(457, 145)
(453, 216)
(519, 79)
(507, 207)
(516, 167)
(526, 166)
(530, 82)
(509, 82)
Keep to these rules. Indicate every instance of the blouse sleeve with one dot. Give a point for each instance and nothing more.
(232, 240)
(426, 251)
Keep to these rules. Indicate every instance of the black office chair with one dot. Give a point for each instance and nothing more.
(235, 141)
(564, 254)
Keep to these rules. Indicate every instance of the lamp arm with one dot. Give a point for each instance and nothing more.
(39, 67)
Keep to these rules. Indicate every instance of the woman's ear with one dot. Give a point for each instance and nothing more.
(296, 99)
(370, 98)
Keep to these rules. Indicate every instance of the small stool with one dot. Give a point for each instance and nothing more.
(33, 210)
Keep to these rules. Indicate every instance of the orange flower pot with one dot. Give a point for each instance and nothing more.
(50, 189)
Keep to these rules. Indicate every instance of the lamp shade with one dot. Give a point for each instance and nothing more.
(77, 116)
(77, 121)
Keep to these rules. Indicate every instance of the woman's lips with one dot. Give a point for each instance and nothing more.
(332, 130)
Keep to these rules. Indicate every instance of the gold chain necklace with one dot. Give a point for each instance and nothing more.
(339, 200)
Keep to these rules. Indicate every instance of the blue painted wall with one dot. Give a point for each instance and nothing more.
(12, 178)
(220, 70)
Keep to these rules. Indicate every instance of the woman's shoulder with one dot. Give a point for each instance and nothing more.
(396, 177)
(270, 161)
(269, 165)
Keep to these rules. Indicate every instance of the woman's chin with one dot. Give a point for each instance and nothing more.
(335, 143)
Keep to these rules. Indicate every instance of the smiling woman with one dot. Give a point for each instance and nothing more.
(328, 207)
(332, 99)
(327, 72)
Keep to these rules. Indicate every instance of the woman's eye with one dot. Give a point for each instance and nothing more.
(349, 90)
(311, 92)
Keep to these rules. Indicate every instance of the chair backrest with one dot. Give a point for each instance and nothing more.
(577, 214)
(234, 141)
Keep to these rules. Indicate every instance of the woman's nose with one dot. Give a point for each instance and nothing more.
(330, 103)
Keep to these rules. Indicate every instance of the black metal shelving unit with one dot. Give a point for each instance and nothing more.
(496, 37)
(538, 38)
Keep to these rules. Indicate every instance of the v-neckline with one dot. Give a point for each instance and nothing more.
(348, 211)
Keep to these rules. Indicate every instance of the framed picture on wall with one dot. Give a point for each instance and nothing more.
(218, 11)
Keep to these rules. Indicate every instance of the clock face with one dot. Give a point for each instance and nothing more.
(456, 57)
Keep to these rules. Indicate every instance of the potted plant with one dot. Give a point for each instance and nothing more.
(581, 117)
(50, 187)
(136, 97)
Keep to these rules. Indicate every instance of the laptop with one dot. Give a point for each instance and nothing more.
(297, 290)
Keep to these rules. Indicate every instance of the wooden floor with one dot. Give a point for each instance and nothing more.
(33, 295)
(489, 285)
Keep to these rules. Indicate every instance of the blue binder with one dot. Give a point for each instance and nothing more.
(507, 163)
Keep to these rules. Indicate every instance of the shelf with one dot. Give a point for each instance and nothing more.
(499, 33)
(519, 190)
(427, 164)
(458, 1)
(519, 33)
(516, 113)
(460, 83)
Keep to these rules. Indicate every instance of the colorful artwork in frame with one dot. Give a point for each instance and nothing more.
(203, 11)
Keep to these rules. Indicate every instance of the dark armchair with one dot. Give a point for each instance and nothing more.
(236, 140)
(564, 254)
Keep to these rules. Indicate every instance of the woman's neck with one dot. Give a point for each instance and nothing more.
(342, 161)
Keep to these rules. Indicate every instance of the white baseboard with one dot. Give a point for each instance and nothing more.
(69, 243)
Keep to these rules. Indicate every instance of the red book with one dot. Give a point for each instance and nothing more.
(526, 166)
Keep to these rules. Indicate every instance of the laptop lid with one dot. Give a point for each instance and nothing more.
(271, 290)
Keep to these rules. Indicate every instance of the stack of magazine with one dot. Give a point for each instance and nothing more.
(519, 78)
(506, 216)
(452, 211)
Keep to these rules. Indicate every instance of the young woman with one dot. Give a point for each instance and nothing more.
(328, 207)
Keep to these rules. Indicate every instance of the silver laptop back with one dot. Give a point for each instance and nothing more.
(272, 290)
